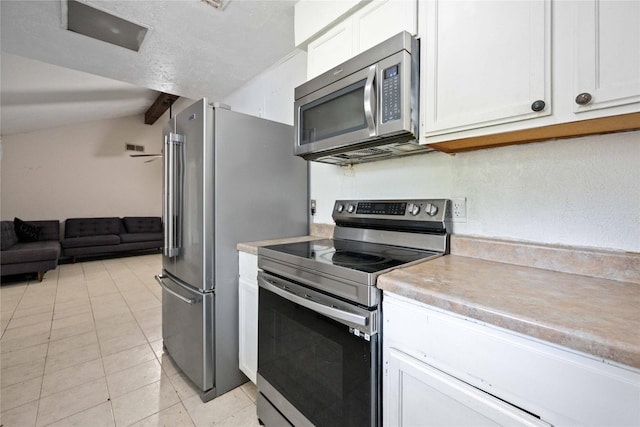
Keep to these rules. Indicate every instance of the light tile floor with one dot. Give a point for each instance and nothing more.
(84, 348)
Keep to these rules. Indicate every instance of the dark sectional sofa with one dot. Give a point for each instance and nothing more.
(100, 236)
(29, 247)
(35, 246)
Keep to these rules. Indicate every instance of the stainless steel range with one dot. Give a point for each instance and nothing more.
(319, 321)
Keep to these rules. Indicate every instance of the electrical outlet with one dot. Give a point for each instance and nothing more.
(459, 209)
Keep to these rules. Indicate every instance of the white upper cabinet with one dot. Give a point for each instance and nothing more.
(383, 19)
(331, 49)
(363, 29)
(313, 16)
(607, 54)
(484, 63)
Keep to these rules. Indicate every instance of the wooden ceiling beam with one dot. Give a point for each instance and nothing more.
(160, 105)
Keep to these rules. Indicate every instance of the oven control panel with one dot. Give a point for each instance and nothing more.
(430, 210)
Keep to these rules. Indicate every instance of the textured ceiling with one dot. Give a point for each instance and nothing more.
(191, 50)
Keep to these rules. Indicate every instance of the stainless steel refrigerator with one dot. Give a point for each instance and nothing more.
(228, 178)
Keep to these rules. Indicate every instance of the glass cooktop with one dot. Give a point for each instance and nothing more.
(351, 254)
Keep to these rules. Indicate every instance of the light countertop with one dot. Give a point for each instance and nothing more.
(597, 316)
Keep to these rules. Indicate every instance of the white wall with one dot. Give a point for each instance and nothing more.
(81, 171)
(577, 192)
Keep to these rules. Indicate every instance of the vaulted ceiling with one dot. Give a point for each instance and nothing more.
(52, 76)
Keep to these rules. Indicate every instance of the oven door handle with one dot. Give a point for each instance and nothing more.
(334, 313)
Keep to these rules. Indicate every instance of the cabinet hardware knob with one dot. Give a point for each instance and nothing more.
(584, 98)
(538, 105)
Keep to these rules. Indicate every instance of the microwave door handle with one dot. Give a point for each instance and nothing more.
(370, 100)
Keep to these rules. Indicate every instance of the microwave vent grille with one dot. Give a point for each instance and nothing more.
(363, 153)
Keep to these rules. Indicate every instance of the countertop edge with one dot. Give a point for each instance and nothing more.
(406, 283)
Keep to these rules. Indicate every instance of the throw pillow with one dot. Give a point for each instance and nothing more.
(26, 232)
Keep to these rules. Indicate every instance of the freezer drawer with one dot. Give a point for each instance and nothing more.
(187, 330)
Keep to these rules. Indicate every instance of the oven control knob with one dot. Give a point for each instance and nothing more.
(413, 209)
(431, 209)
(351, 208)
(340, 208)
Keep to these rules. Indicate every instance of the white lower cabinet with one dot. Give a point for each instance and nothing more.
(418, 394)
(441, 369)
(248, 312)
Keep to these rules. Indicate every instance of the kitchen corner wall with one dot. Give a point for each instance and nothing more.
(576, 192)
(82, 170)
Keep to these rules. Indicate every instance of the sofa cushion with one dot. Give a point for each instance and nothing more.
(26, 232)
(98, 240)
(141, 237)
(143, 224)
(81, 227)
(31, 251)
(49, 229)
(9, 237)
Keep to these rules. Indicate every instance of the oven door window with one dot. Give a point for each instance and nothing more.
(327, 373)
(339, 113)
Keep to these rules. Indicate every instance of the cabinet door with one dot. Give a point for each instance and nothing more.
(373, 24)
(382, 19)
(417, 394)
(562, 387)
(248, 315)
(607, 53)
(330, 49)
(483, 63)
(312, 16)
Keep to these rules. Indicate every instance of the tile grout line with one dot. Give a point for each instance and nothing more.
(84, 282)
(95, 327)
(146, 339)
(46, 356)
(135, 273)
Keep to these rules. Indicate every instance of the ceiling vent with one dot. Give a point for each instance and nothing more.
(132, 147)
(91, 22)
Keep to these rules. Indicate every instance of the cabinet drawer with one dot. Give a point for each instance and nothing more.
(426, 396)
(559, 385)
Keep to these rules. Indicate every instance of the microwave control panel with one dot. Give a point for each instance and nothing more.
(390, 97)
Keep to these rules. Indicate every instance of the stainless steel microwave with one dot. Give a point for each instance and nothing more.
(365, 109)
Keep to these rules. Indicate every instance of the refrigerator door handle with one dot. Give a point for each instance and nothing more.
(189, 301)
(173, 193)
(165, 196)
